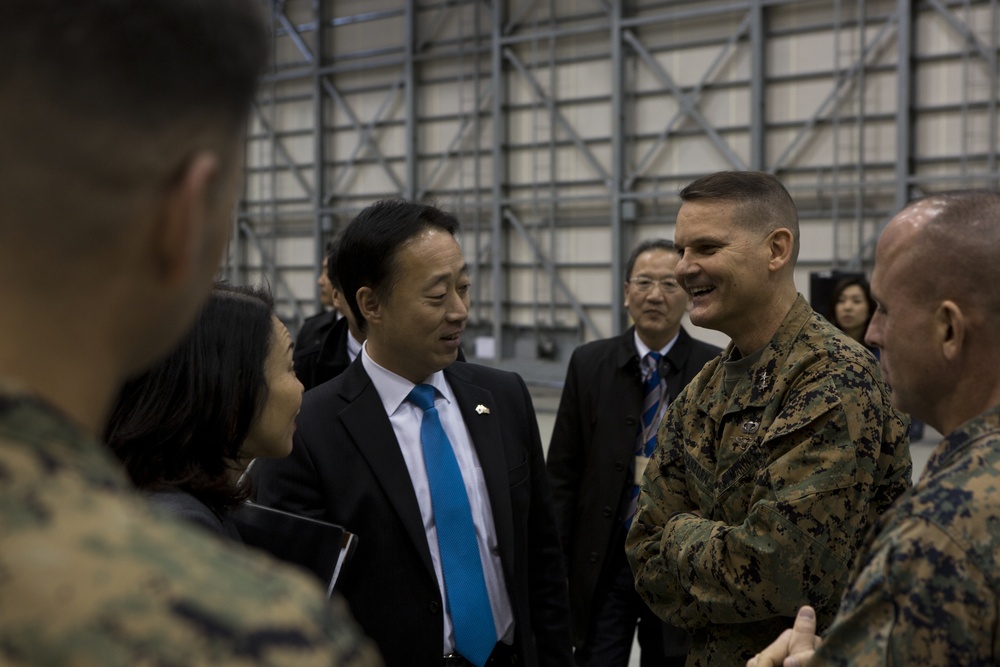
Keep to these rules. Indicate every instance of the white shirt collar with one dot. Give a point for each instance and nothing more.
(393, 388)
(353, 346)
(643, 349)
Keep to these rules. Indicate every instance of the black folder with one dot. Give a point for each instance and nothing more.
(320, 547)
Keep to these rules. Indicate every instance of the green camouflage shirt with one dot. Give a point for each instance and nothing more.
(755, 503)
(926, 590)
(92, 575)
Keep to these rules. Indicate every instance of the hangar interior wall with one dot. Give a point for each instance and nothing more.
(559, 132)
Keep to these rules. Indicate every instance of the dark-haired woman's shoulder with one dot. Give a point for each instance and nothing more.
(186, 506)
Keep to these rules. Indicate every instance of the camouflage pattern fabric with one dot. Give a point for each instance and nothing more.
(92, 575)
(755, 504)
(926, 590)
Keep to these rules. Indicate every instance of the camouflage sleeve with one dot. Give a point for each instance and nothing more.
(918, 601)
(791, 538)
(663, 498)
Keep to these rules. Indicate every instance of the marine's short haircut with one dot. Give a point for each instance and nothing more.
(140, 62)
(182, 424)
(762, 202)
(645, 246)
(102, 100)
(371, 242)
(956, 253)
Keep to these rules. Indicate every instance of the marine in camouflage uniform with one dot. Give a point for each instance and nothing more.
(757, 499)
(925, 590)
(92, 574)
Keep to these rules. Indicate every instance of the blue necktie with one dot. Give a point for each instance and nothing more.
(464, 583)
(652, 395)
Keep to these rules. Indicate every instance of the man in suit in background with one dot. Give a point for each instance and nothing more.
(598, 451)
(329, 354)
(458, 560)
(314, 329)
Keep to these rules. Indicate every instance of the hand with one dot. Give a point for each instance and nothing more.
(794, 647)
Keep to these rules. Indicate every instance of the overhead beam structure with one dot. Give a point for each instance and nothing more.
(559, 132)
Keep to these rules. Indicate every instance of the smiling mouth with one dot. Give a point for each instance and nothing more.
(700, 291)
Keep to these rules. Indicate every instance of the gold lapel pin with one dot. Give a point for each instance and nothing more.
(482, 409)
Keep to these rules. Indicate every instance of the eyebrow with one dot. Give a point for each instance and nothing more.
(701, 240)
(445, 275)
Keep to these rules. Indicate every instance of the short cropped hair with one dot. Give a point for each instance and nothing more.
(963, 230)
(104, 100)
(645, 246)
(182, 424)
(370, 243)
(762, 202)
(141, 62)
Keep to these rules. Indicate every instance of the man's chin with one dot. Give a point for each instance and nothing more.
(700, 318)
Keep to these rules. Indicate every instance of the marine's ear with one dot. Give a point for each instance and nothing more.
(780, 244)
(182, 220)
(949, 326)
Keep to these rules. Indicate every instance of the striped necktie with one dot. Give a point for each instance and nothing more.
(645, 442)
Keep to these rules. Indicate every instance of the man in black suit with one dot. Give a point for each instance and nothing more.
(323, 354)
(359, 461)
(593, 462)
(315, 330)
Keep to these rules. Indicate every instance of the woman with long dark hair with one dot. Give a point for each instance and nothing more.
(852, 307)
(187, 429)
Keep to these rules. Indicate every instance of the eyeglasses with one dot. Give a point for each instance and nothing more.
(643, 284)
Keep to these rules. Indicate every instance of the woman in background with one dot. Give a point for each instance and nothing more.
(187, 429)
(852, 307)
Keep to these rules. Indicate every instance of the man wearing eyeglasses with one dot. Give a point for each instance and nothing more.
(775, 461)
(598, 452)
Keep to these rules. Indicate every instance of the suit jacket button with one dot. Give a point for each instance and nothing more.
(593, 556)
(434, 607)
(607, 511)
(619, 466)
(630, 420)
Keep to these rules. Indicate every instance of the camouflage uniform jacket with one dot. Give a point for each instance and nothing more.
(756, 503)
(926, 590)
(92, 574)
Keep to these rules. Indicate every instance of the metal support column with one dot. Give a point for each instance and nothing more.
(496, 234)
(318, 140)
(410, 102)
(904, 102)
(617, 166)
(758, 68)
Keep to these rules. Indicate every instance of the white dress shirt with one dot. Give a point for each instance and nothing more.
(353, 346)
(405, 418)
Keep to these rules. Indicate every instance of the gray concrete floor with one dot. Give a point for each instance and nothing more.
(546, 400)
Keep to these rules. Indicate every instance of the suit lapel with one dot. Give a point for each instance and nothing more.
(365, 420)
(484, 429)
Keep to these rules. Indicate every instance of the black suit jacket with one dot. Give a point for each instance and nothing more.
(592, 450)
(325, 358)
(346, 468)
